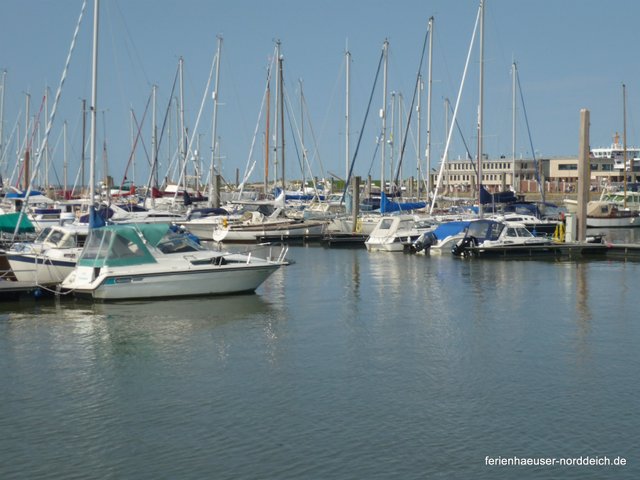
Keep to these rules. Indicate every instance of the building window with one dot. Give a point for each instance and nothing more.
(568, 166)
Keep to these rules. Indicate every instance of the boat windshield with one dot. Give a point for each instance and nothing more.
(483, 229)
(178, 243)
(106, 247)
(43, 234)
(518, 232)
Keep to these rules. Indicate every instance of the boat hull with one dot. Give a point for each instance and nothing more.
(40, 270)
(254, 233)
(613, 222)
(113, 284)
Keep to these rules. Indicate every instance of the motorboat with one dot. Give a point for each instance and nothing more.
(254, 225)
(607, 214)
(50, 257)
(156, 261)
(441, 238)
(395, 233)
(484, 234)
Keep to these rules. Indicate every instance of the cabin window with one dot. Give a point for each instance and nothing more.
(55, 238)
(385, 224)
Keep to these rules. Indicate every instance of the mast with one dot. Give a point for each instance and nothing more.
(267, 133)
(182, 136)
(46, 145)
(419, 86)
(93, 107)
(445, 158)
(2, 87)
(347, 55)
(132, 139)
(430, 84)
(281, 81)
(25, 183)
(276, 136)
(514, 72)
(304, 150)
(84, 143)
(392, 137)
(624, 141)
(154, 142)
(65, 164)
(383, 115)
(214, 132)
(481, 109)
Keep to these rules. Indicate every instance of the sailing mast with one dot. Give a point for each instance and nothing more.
(419, 86)
(347, 55)
(25, 183)
(624, 141)
(2, 86)
(514, 72)
(276, 136)
(481, 109)
(93, 112)
(383, 114)
(281, 101)
(182, 136)
(267, 133)
(215, 123)
(65, 164)
(430, 84)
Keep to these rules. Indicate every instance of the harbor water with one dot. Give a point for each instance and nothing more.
(344, 365)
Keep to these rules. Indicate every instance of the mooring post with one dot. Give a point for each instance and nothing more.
(584, 176)
(355, 208)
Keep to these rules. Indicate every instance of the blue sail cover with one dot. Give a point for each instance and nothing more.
(498, 197)
(447, 229)
(387, 206)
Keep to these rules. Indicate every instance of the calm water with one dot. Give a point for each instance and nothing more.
(345, 365)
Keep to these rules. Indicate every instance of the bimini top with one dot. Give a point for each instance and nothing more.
(131, 244)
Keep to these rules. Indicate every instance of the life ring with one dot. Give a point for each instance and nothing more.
(225, 222)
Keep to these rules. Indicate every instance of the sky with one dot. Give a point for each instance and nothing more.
(570, 55)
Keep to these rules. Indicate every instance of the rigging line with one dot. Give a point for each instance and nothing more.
(194, 134)
(135, 143)
(326, 119)
(304, 160)
(533, 153)
(455, 113)
(138, 58)
(413, 101)
(364, 122)
(250, 166)
(51, 118)
(292, 124)
(5, 152)
(29, 144)
(154, 165)
(316, 151)
(374, 156)
(464, 142)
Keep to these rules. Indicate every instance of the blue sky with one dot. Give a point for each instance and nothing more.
(571, 54)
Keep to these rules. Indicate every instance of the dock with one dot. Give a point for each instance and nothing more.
(12, 290)
(344, 240)
(574, 250)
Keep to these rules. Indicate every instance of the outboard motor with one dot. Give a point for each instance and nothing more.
(423, 242)
(460, 248)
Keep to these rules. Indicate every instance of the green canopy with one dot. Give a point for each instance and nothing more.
(8, 222)
(122, 245)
